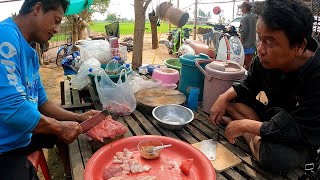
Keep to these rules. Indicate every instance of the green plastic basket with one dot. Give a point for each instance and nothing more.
(173, 63)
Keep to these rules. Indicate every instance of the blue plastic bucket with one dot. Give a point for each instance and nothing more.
(190, 75)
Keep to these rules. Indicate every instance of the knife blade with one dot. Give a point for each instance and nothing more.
(94, 120)
(208, 148)
(215, 134)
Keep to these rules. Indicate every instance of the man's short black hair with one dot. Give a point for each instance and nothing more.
(246, 5)
(291, 16)
(48, 5)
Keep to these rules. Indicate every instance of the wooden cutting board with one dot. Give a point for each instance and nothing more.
(224, 158)
(147, 99)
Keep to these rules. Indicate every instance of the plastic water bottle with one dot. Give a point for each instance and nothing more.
(113, 65)
(94, 71)
(192, 101)
(123, 66)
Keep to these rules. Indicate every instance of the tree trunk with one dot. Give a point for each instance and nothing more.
(153, 22)
(195, 20)
(83, 32)
(75, 36)
(140, 7)
(83, 24)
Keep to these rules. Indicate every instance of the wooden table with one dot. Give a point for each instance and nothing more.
(143, 124)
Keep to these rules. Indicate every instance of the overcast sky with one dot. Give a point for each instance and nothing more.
(6, 9)
(124, 8)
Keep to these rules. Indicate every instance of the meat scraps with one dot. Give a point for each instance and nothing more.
(107, 128)
(125, 164)
(126, 177)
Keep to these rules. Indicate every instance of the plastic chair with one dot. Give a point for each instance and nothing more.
(37, 158)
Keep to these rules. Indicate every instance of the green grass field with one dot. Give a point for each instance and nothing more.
(128, 27)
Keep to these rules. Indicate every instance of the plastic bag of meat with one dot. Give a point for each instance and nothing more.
(107, 128)
(118, 98)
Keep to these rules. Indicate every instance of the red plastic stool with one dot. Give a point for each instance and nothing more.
(37, 158)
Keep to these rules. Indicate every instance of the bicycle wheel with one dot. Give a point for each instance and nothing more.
(60, 55)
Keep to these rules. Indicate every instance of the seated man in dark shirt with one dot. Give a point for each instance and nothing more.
(285, 133)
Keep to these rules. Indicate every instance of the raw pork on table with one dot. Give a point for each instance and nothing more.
(107, 128)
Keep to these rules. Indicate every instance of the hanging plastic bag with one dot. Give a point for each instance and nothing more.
(118, 98)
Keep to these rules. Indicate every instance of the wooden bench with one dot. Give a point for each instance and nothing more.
(144, 124)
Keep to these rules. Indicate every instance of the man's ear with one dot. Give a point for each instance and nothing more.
(301, 47)
(37, 9)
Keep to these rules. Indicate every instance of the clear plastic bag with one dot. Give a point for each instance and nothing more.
(118, 98)
(81, 80)
(99, 49)
(137, 82)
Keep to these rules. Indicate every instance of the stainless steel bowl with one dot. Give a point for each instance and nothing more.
(172, 117)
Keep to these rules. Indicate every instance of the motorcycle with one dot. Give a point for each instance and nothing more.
(175, 38)
(220, 43)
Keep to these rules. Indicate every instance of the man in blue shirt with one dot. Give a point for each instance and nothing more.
(28, 120)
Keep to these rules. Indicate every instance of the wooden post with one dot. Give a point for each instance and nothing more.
(195, 19)
(38, 49)
(153, 22)
(169, 22)
(234, 4)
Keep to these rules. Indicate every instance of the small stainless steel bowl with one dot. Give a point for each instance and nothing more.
(172, 117)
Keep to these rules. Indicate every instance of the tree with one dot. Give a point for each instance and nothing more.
(209, 15)
(202, 13)
(81, 21)
(13, 15)
(100, 6)
(140, 7)
(112, 17)
(222, 19)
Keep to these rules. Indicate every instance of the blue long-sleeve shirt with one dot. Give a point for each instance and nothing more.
(21, 90)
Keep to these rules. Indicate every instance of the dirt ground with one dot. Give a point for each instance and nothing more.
(51, 76)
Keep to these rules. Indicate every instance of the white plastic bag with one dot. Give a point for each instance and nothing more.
(137, 82)
(81, 80)
(91, 62)
(99, 49)
(118, 98)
